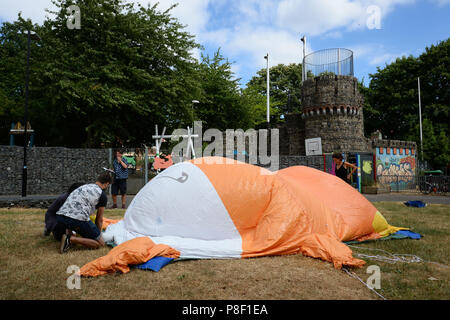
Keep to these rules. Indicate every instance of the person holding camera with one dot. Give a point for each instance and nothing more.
(120, 165)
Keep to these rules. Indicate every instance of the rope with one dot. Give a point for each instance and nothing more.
(394, 257)
(355, 276)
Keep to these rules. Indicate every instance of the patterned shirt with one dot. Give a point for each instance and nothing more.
(82, 202)
(121, 172)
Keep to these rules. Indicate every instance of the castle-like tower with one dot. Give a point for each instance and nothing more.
(332, 109)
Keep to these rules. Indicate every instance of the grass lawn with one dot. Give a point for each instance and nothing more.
(32, 268)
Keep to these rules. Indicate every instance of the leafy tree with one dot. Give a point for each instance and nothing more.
(285, 89)
(392, 101)
(125, 70)
(222, 105)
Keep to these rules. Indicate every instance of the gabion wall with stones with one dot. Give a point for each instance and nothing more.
(51, 170)
(332, 108)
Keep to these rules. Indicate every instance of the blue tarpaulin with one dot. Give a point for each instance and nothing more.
(415, 203)
(155, 264)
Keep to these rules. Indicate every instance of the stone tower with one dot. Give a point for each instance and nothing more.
(332, 109)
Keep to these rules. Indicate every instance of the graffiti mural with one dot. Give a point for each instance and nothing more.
(395, 166)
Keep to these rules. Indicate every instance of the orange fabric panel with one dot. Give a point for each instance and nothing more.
(107, 222)
(286, 212)
(345, 212)
(160, 163)
(135, 251)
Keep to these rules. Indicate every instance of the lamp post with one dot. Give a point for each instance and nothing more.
(304, 55)
(192, 108)
(30, 36)
(420, 120)
(268, 90)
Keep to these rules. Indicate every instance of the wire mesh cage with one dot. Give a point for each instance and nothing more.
(338, 61)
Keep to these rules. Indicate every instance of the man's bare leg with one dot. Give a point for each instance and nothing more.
(90, 243)
(114, 198)
(124, 201)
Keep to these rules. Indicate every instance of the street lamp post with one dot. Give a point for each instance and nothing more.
(268, 90)
(25, 140)
(420, 120)
(304, 55)
(192, 109)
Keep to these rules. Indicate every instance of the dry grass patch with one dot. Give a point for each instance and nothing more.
(32, 268)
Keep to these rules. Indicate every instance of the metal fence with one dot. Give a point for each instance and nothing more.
(424, 184)
(338, 61)
(434, 184)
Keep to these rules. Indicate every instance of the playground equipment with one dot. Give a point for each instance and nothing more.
(162, 161)
(19, 129)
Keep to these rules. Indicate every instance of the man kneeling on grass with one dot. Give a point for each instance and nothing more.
(75, 212)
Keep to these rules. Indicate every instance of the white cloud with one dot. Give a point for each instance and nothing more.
(375, 54)
(192, 13)
(322, 16)
(248, 29)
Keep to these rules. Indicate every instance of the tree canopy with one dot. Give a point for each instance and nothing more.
(127, 68)
(285, 90)
(392, 102)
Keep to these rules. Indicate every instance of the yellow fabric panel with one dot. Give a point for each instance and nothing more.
(382, 227)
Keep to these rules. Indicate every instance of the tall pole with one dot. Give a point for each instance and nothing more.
(268, 90)
(24, 170)
(420, 120)
(145, 164)
(304, 55)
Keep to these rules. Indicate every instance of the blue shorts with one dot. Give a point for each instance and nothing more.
(87, 229)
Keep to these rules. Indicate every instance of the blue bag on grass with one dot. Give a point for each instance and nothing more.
(155, 264)
(416, 203)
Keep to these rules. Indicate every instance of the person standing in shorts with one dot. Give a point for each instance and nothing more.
(75, 214)
(120, 165)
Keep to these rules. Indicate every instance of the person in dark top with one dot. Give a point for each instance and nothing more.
(50, 214)
(342, 166)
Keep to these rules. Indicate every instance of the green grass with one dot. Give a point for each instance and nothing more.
(413, 280)
(32, 268)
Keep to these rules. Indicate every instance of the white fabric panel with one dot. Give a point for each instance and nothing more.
(189, 248)
(180, 208)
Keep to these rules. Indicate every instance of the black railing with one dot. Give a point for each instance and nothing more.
(424, 184)
(434, 184)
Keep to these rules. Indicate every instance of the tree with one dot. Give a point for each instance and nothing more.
(392, 101)
(125, 70)
(221, 102)
(285, 89)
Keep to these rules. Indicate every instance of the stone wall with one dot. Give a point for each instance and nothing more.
(309, 161)
(377, 143)
(332, 108)
(339, 133)
(292, 136)
(51, 170)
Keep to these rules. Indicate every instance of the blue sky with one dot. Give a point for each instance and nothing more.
(246, 30)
